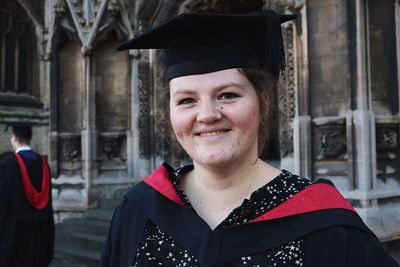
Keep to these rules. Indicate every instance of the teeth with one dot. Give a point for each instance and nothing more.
(211, 133)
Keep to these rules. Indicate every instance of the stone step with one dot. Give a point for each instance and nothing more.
(109, 204)
(91, 225)
(59, 262)
(99, 214)
(79, 241)
(119, 194)
(82, 239)
(79, 256)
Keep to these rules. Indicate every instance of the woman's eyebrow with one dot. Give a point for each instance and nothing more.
(184, 91)
(230, 84)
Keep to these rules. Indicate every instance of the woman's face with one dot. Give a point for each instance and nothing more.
(215, 117)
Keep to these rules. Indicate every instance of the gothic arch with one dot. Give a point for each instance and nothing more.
(21, 45)
(112, 28)
(32, 17)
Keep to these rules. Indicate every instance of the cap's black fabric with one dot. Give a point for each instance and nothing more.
(202, 43)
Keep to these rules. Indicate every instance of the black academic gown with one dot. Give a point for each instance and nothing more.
(334, 235)
(26, 234)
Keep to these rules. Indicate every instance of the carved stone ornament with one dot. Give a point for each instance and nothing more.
(161, 122)
(332, 142)
(86, 10)
(287, 95)
(282, 5)
(70, 158)
(70, 147)
(163, 147)
(197, 5)
(59, 8)
(387, 137)
(149, 10)
(113, 7)
(110, 146)
(144, 110)
(388, 150)
(285, 142)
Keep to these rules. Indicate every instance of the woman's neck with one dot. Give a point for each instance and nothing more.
(214, 193)
(226, 177)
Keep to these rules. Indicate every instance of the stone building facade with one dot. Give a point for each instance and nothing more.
(101, 116)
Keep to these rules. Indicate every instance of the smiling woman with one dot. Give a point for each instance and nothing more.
(216, 117)
(230, 208)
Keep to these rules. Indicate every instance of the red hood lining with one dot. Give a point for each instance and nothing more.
(319, 196)
(40, 199)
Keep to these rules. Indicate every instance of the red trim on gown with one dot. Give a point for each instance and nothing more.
(160, 182)
(40, 199)
(316, 197)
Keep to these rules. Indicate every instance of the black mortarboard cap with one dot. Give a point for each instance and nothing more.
(20, 129)
(199, 43)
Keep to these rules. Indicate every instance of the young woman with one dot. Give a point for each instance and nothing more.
(230, 208)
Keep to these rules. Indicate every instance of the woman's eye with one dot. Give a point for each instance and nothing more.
(185, 101)
(227, 96)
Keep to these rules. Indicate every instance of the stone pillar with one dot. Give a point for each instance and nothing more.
(397, 18)
(302, 121)
(302, 145)
(138, 162)
(362, 116)
(54, 11)
(53, 121)
(134, 159)
(89, 133)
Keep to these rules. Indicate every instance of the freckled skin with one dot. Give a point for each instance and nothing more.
(232, 110)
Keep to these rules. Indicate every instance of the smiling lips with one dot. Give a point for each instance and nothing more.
(212, 133)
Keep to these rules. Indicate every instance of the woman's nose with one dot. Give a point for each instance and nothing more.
(209, 112)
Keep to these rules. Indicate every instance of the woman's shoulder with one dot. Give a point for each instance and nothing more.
(285, 174)
(158, 182)
(127, 212)
(345, 246)
(304, 180)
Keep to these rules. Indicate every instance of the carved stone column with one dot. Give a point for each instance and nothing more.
(139, 144)
(295, 124)
(89, 133)
(55, 10)
(302, 138)
(397, 18)
(362, 117)
(53, 133)
(287, 99)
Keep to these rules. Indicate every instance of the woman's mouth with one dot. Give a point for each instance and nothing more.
(212, 133)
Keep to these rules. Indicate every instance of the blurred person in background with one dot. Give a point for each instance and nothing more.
(26, 212)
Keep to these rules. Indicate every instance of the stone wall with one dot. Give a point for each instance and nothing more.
(328, 57)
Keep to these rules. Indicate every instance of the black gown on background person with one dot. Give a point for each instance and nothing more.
(26, 232)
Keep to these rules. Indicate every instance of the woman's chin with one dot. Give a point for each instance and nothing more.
(215, 160)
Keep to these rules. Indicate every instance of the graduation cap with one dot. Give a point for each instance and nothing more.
(199, 43)
(20, 129)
